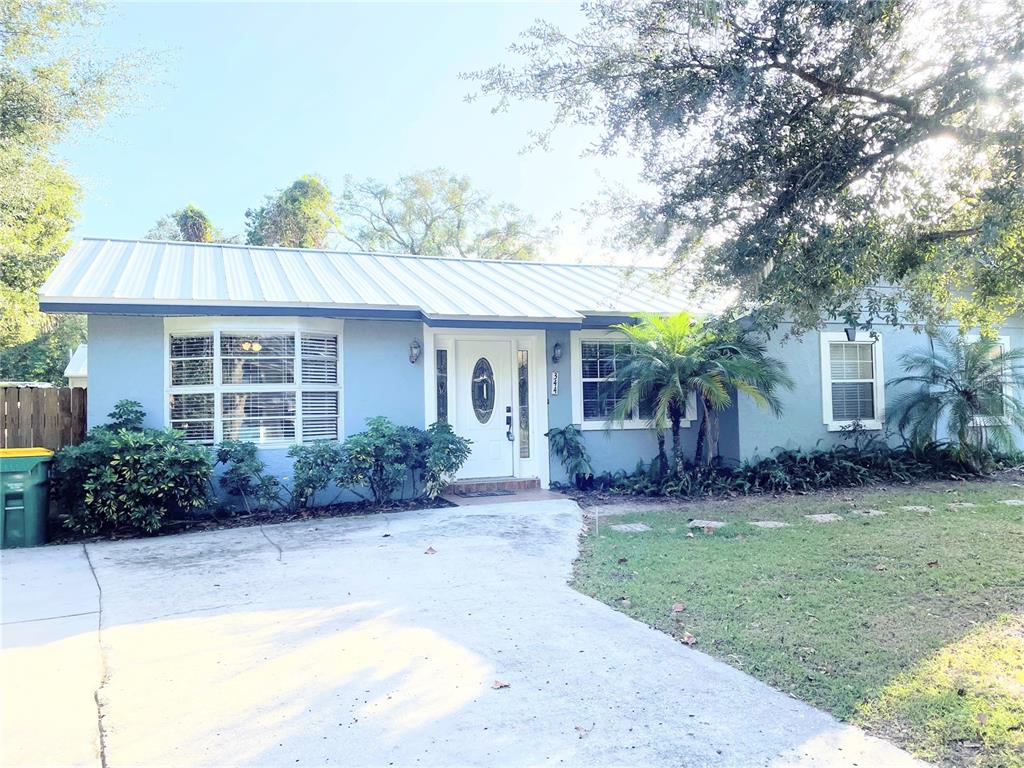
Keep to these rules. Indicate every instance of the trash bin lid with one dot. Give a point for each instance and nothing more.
(18, 453)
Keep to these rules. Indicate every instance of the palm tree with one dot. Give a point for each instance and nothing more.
(673, 357)
(975, 385)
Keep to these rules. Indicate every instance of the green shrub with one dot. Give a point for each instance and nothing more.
(315, 467)
(380, 458)
(245, 477)
(842, 466)
(126, 476)
(387, 459)
(127, 414)
(445, 454)
(567, 444)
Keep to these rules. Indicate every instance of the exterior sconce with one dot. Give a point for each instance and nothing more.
(414, 351)
(556, 352)
(851, 333)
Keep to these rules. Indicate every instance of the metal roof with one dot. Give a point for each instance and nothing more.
(143, 276)
(78, 365)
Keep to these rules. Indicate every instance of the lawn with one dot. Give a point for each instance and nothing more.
(909, 623)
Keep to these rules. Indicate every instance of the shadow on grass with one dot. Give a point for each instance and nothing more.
(964, 704)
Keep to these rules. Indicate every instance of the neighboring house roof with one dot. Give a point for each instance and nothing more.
(78, 366)
(148, 277)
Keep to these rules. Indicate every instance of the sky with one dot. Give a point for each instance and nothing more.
(241, 99)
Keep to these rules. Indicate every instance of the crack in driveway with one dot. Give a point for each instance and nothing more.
(104, 669)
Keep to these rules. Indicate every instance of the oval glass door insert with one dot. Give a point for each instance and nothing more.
(483, 390)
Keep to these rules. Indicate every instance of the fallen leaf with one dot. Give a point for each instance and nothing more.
(879, 567)
(689, 535)
(932, 563)
(623, 560)
(499, 684)
(678, 608)
(430, 551)
(386, 535)
(689, 639)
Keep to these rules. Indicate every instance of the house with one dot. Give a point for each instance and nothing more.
(280, 345)
(77, 370)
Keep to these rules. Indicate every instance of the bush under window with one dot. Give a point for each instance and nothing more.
(124, 476)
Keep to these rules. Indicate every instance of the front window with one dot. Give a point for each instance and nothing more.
(270, 388)
(600, 361)
(852, 381)
(852, 365)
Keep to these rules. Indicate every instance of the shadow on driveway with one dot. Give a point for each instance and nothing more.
(341, 642)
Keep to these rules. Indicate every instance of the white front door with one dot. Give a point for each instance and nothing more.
(483, 402)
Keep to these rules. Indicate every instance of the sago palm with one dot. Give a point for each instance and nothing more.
(672, 357)
(974, 385)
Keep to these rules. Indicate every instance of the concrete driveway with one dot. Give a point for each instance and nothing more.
(341, 642)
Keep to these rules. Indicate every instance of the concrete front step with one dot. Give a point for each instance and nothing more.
(484, 484)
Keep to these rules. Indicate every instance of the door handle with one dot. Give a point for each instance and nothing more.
(508, 424)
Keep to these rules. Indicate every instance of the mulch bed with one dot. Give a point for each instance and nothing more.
(212, 520)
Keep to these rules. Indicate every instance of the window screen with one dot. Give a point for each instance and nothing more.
(852, 367)
(600, 361)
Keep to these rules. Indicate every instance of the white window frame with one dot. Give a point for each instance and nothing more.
(576, 339)
(862, 337)
(297, 326)
(988, 421)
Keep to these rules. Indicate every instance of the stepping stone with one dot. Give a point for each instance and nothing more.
(869, 512)
(770, 524)
(827, 517)
(1013, 502)
(630, 527)
(916, 508)
(705, 524)
(956, 506)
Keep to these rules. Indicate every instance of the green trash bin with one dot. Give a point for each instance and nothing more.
(24, 496)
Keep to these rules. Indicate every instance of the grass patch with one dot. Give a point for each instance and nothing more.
(863, 617)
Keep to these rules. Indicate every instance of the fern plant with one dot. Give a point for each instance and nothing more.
(567, 444)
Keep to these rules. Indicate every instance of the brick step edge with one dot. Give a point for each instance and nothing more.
(474, 486)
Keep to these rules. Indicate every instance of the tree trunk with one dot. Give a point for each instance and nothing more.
(675, 416)
(701, 435)
(662, 458)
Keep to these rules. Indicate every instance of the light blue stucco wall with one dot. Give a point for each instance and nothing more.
(802, 423)
(126, 362)
(619, 449)
(379, 380)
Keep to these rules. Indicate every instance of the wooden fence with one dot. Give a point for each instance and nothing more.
(41, 417)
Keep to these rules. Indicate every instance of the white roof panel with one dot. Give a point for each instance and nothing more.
(192, 277)
(78, 365)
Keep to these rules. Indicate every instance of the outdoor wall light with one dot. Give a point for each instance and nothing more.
(414, 351)
(251, 346)
(556, 352)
